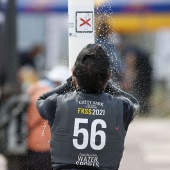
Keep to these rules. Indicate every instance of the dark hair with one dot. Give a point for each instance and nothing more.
(92, 68)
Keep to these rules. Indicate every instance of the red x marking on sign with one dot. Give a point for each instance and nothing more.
(85, 22)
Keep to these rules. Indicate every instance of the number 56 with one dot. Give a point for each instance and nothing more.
(93, 135)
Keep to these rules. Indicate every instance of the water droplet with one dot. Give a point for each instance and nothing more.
(43, 128)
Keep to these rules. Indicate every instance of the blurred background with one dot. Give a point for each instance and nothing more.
(136, 34)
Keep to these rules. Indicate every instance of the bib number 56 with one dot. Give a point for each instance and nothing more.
(92, 136)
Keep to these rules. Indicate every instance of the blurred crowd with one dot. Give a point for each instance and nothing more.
(28, 146)
(131, 71)
(131, 65)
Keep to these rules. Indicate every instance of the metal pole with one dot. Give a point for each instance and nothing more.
(2, 53)
(10, 37)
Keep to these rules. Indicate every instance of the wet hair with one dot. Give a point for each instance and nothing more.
(92, 68)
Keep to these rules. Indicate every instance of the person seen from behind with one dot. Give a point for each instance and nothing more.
(88, 115)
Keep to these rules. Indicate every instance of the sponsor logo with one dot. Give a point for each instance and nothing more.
(88, 160)
(89, 111)
(88, 102)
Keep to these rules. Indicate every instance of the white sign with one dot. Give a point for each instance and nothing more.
(84, 22)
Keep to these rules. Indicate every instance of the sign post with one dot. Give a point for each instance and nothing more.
(81, 27)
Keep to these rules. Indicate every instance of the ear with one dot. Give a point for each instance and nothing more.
(74, 81)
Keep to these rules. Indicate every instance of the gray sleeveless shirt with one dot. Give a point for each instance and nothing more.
(88, 130)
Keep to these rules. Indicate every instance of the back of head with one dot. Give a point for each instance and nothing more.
(92, 69)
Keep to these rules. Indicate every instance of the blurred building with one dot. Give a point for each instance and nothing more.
(129, 16)
(45, 22)
(145, 24)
